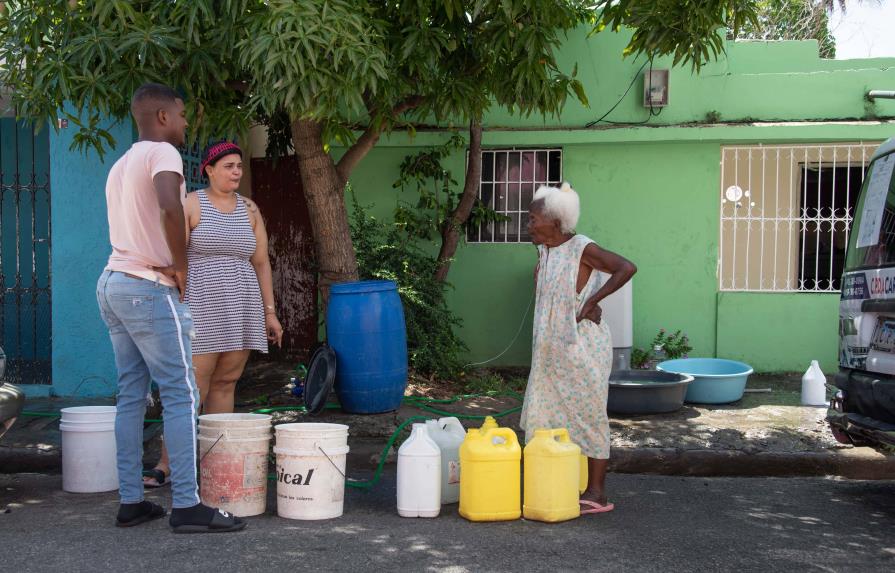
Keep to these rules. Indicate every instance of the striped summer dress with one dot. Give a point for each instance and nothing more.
(222, 287)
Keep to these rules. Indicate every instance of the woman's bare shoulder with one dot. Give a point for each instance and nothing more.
(250, 205)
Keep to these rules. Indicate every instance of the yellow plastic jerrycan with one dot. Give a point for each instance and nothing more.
(489, 482)
(552, 477)
(489, 424)
(582, 476)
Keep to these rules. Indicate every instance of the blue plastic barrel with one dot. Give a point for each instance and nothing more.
(365, 326)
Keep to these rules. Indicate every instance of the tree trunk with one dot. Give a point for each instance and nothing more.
(450, 234)
(325, 192)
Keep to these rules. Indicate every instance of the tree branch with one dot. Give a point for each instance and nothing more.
(358, 151)
(369, 137)
(450, 236)
(409, 103)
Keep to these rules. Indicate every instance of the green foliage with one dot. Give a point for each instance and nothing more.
(505, 51)
(712, 116)
(436, 193)
(349, 64)
(675, 345)
(691, 30)
(793, 20)
(314, 57)
(434, 187)
(385, 252)
(95, 54)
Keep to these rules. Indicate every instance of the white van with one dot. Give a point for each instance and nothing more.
(863, 409)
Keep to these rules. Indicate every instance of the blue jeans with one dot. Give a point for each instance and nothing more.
(151, 331)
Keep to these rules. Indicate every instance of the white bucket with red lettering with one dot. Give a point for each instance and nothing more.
(233, 453)
(311, 470)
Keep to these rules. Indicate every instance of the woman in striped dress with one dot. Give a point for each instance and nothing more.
(229, 285)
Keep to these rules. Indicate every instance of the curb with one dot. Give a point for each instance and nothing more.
(856, 463)
(19, 460)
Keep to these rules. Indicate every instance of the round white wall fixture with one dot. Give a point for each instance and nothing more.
(733, 193)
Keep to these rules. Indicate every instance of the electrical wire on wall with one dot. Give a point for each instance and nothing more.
(653, 112)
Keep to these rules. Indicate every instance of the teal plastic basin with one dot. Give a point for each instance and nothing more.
(715, 380)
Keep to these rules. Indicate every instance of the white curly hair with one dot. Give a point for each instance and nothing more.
(560, 203)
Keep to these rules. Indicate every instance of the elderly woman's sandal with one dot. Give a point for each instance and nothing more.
(595, 507)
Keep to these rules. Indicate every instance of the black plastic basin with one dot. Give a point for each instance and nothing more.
(646, 391)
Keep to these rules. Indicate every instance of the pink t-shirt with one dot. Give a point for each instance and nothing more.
(135, 226)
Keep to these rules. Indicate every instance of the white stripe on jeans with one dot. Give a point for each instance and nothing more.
(186, 377)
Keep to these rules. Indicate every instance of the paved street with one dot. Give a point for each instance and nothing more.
(660, 524)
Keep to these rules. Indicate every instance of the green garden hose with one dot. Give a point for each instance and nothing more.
(417, 402)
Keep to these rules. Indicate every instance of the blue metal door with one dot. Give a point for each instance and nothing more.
(25, 320)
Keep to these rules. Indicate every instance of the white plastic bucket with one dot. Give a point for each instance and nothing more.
(233, 452)
(89, 453)
(311, 470)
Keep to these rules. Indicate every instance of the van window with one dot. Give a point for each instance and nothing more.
(872, 242)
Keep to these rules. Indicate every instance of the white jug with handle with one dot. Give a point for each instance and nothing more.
(419, 475)
(814, 386)
(449, 434)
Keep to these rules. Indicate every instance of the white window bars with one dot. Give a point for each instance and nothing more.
(786, 214)
(508, 182)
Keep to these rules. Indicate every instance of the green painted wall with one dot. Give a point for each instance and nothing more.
(758, 80)
(651, 193)
(657, 204)
(779, 331)
(667, 226)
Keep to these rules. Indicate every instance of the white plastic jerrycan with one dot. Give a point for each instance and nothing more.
(419, 475)
(814, 386)
(448, 433)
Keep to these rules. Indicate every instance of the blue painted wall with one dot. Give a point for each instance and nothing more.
(83, 363)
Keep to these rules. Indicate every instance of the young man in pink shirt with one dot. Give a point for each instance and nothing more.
(148, 321)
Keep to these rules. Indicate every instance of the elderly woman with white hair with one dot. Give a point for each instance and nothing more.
(571, 347)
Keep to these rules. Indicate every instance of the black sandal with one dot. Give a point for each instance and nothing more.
(160, 477)
(154, 511)
(221, 522)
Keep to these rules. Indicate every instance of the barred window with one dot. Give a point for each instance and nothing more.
(786, 215)
(509, 180)
(192, 158)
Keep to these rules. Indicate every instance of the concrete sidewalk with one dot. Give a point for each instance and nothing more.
(767, 433)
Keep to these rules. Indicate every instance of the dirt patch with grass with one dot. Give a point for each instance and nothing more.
(266, 383)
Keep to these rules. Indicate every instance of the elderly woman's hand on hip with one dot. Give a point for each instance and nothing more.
(591, 312)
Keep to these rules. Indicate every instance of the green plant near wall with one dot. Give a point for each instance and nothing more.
(712, 116)
(436, 193)
(675, 345)
(487, 382)
(385, 251)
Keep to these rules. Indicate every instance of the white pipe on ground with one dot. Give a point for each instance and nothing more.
(881, 94)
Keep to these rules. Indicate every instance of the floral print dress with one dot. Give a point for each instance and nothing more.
(569, 381)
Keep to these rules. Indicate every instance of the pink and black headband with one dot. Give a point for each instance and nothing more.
(217, 150)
